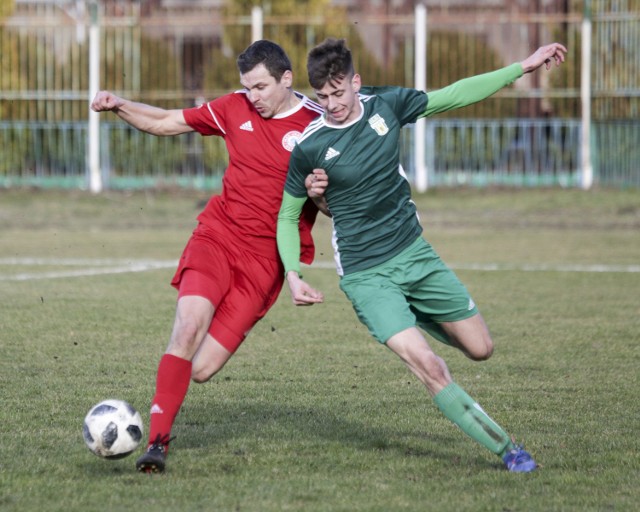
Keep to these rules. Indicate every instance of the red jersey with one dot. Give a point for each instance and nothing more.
(253, 183)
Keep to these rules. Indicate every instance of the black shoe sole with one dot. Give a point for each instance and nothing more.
(150, 469)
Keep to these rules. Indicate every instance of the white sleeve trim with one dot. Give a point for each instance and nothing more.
(215, 119)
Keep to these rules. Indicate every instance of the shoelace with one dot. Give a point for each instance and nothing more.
(162, 441)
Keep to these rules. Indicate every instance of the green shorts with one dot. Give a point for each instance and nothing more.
(414, 288)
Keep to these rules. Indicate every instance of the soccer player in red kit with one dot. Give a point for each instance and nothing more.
(230, 273)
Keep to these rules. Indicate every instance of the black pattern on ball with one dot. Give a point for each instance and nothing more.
(112, 429)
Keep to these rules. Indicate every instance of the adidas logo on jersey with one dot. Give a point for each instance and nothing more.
(246, 126)
(331, 153)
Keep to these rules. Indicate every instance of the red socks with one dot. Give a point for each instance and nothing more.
(174, 376)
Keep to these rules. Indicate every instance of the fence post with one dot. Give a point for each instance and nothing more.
(93, 136)
(421, 171)
(586, 177)
(256, 23)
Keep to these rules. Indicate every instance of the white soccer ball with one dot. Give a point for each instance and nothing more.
(112, 429)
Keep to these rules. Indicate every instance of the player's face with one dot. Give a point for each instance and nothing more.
(340, 99)
(268, 96)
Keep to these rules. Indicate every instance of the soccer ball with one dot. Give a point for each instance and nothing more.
(112, 429)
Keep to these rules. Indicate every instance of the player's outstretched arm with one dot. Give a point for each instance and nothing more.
(544, 55)
(476, 88)
(146, 118)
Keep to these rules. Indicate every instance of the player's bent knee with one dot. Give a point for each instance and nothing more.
(481, 356)
(202, 375)
(200, 379)
(203, 372)
(481, 351)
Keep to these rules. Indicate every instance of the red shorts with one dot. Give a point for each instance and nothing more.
(241, 285)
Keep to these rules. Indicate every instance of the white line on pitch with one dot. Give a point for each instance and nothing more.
(78, 262)
(123, 265)
(542, 267)
(130, 266)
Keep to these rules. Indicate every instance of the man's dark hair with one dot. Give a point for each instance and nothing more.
(329, 61)
(267, 53)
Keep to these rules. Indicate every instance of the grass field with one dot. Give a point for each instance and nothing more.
(312, 414)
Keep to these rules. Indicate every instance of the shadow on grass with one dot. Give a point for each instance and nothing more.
(224, 426)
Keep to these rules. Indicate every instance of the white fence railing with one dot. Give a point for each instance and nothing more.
(472, 152)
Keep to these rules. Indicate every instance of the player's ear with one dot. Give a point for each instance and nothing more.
(287, 78)
(356, 82)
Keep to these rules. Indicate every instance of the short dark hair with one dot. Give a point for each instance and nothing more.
(264, 52)
(330, 60)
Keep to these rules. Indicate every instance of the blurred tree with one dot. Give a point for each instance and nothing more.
(455, 55)
(8, 66)
(6, 9)
(301, 25)
(615, 68)
(9, 74)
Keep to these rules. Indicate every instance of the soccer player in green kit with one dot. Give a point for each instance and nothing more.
(392, 276)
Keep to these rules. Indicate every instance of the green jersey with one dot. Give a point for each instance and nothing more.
(369, 197)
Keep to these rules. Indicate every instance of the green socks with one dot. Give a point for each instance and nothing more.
(462, 410)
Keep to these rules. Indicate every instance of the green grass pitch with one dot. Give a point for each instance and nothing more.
(312, 414)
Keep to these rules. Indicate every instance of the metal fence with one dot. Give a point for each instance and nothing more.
(55, 155)
(475, 152)
(514, 152)
(527, 135)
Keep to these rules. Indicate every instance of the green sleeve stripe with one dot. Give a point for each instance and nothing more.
(471, 90)
(288, 235)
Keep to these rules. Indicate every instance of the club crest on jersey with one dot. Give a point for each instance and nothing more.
(290, 139)
(378, 123)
